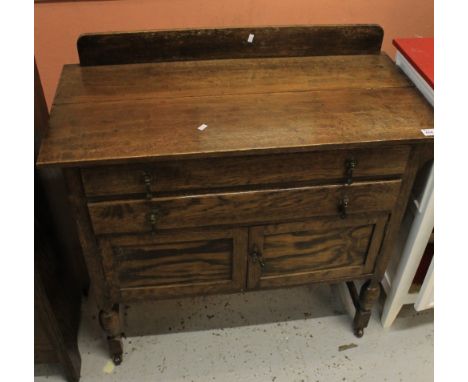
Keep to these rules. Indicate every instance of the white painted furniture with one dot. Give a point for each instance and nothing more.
(415, 77)
(397, 286)
(421, 224)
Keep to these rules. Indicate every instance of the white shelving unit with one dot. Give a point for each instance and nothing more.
(420, 223)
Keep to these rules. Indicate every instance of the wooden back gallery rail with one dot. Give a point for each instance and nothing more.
(229, 160)
(217, 44)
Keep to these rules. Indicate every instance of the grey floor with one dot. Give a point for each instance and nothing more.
(295, 334)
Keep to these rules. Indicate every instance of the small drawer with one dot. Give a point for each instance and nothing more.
(237, 208)
(210, 173)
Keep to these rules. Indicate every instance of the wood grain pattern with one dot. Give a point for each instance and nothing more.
(178, 263)
(295, 251)
(110, 323)
(315, 249)
(54, 196)
(247, 171)
(57, 287)
(203, 44)
(175, 263)
(41, 113)
(370, 290)
(367, 297)
(227, 77)
(241, 207)
(87, 239)
(267, 174)
(113, 132)
(418, 153)
(44, 349)
(56, 321)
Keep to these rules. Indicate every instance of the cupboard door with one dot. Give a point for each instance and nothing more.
(176, 263)
(315, 250)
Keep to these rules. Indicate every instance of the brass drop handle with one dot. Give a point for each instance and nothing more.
(153, 219)
(257, 256)
(147, 182)
(343, 207)
(351, 164)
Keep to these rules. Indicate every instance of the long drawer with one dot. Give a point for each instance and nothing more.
(235, 208)
(208, 173)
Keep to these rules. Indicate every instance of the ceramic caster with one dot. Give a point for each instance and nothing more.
(359, 332)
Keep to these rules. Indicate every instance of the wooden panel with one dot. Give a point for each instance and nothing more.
(112, 132)
(241, 207)
(56, 325)
(177, 263)
(247, 171)
(87, 239)
(53, 199)
(315, 250)
(57, 297)
(41, 113)
(44, 350)
(293, 252)
(176, 45)
(213, 78)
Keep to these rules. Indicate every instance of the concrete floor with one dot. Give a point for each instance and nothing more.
(295, 334)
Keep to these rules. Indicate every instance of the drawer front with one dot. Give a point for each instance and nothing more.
(240, 207)
(176, 263)
(315, 250)
(209, 173)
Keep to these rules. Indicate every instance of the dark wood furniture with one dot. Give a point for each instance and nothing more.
(302, 175)
(57, 282)
(56, 307)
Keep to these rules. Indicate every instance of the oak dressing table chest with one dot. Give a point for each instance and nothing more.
(302, 174)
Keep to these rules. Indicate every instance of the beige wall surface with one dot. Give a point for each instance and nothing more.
(58, 25)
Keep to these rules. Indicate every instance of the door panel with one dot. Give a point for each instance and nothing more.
(190, 262)
(176, 263)
(314, 250)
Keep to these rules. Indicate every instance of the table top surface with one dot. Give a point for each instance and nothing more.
(136, 112)
(420, 53)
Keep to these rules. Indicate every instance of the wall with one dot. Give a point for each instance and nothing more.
(58, 25)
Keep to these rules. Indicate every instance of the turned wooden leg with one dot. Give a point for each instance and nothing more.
(367, 297)
(110, 323)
